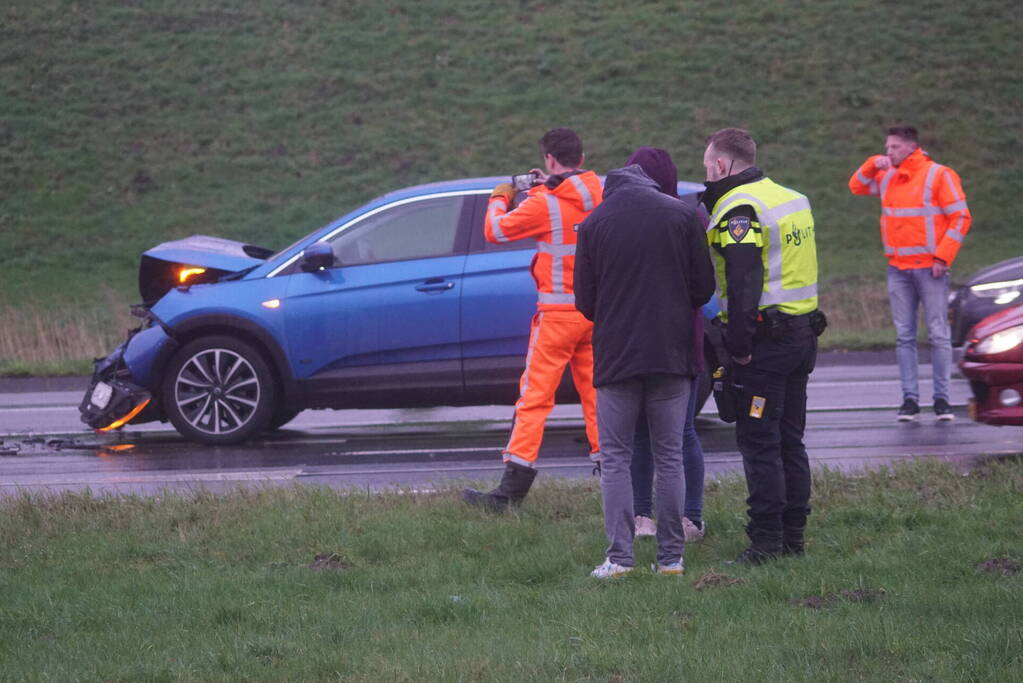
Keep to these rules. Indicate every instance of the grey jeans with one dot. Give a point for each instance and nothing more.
(664, 397)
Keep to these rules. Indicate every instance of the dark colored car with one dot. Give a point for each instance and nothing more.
(399, 303)
(993, 363)
(988, 291)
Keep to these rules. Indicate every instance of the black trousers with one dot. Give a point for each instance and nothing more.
(769, 431)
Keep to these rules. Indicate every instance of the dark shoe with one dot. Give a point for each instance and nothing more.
(753, 556)
(792, 541)
(765, 545)
(514, 486)
(908, 411)
(943, 411)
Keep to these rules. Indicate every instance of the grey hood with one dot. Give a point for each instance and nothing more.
(628, 177)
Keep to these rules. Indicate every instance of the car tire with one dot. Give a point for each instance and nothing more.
(219, 390)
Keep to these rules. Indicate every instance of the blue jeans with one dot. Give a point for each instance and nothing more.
(664, 397)
(692, 464)
(907, 290)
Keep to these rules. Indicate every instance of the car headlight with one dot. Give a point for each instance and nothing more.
(1000, 341)
(1003, 292)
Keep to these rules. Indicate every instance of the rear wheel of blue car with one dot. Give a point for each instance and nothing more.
(219, 390)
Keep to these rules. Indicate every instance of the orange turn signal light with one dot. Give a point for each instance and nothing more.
(186, 273)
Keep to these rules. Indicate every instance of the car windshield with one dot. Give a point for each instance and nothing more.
(288, 248)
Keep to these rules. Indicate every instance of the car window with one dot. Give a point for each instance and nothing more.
(479, 243)
(420, 229)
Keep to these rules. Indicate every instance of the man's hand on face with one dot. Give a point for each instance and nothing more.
(883, 163)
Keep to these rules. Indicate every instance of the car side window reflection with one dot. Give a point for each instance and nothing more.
(415, 230)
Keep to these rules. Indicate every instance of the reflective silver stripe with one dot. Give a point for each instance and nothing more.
(741, 198)
(863, 179)
(912, 251)
(495, 224)
(788, 295)
(508, 457)
(956, 235)
(932, 172)
(548, 298)
(770, 218)
(554, 211)
(529, 356)
(885, 182)
(583, 191)
(555, 249)
(915, 211)
(889, 250)
(955, 206)
(874, 188)
(777, 213)
(929, 184)
(557, 239)
(957, 229)
(952, 188)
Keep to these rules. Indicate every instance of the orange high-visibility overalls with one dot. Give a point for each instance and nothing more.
(559, 335)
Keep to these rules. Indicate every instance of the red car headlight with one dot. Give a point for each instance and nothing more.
(1001, 341)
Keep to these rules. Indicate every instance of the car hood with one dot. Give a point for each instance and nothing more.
(210, 252)
(1004, 270)
(1001, 320)
(198, 259)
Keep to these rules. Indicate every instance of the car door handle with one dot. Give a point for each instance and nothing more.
(435, 285)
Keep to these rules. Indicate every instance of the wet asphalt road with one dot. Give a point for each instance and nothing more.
(850, 427)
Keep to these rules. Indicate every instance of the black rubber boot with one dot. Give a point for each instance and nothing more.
(765, 545)
(514, 486)
(792, 540)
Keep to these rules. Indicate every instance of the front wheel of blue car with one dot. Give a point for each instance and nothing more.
(219, 390)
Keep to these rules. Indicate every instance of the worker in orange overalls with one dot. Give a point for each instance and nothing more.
(562, 198)
(924, 218)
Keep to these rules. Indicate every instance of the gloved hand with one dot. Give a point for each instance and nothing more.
(504, 190)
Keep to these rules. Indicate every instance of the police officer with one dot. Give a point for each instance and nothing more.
(762, 235)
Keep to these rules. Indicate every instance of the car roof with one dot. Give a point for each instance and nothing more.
(469, 185)
(486, 183)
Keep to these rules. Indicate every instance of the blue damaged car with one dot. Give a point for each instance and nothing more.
(400, 303)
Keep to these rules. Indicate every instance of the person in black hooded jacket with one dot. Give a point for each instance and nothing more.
(642, 268)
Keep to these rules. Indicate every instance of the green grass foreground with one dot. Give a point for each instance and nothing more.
(418, 587)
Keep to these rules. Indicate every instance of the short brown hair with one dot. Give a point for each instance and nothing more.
(908, 133)
(735, 143)
(564, 145)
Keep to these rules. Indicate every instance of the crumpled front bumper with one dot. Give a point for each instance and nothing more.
(112, 399)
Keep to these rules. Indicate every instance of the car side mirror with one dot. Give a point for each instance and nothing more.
(316, 257)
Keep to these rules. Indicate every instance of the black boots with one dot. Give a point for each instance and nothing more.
(765, 545)
(792, 540)
(514, 486)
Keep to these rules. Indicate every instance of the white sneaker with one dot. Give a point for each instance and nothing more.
(693, 533)
(673, 569)
(610, 570)
(645, 526)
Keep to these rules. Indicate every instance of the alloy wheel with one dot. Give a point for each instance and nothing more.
(217, 391)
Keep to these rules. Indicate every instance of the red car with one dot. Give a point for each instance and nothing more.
(993, 362)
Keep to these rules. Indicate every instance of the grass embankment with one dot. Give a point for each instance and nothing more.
(912, 574)
(123, 125)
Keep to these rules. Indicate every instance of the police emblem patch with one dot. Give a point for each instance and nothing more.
(738, 226)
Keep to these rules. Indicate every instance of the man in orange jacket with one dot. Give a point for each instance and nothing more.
(560, 335)
(924, 218)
